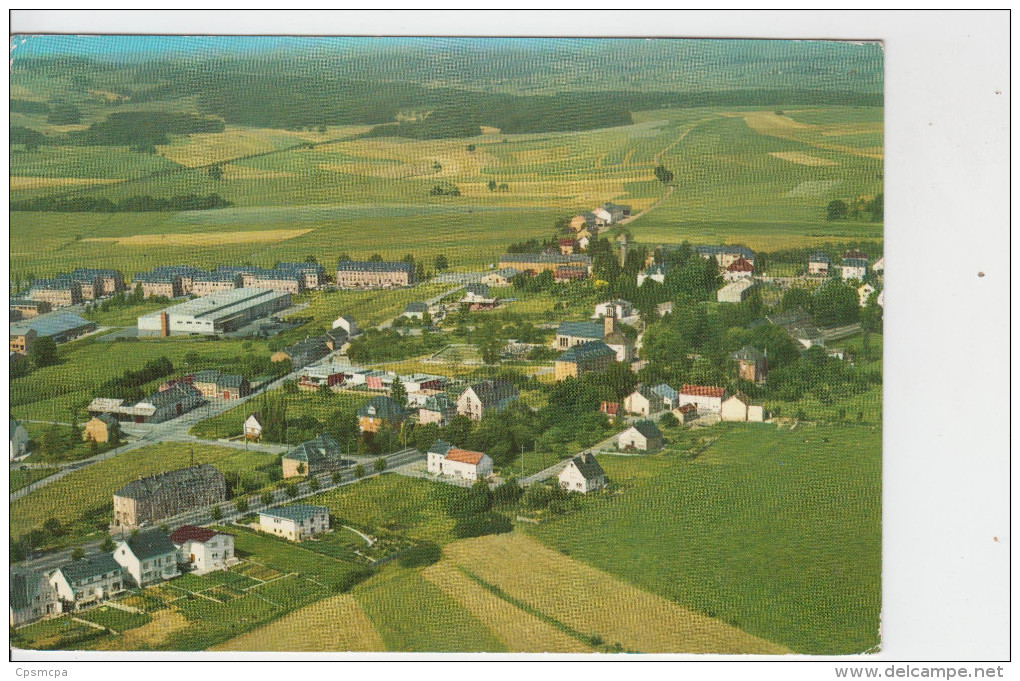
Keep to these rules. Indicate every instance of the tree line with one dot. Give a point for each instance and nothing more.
(131, 204)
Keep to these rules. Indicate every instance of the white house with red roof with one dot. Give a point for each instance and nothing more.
(204, 549)
(444, 459)
(741, 268)
(707, 398)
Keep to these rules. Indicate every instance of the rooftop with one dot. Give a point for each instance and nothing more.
(223, 303)
(374, 266)
(93, 566)
(297, 512)
(182, 477)
(647, 428)
(51, 324)
(150, 543)
(464, 456)
(588, 466)
(192, 533)
(703, 390)
(586, 351)
(593, 330)
(558, 258)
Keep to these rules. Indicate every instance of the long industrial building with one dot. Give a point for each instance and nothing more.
(216, 313)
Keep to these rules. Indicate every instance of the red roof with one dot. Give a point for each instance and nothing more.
(703, 390)
(611, 408)
(192, 533)
(464, 456)
(741, 265)
(566, 242)
(686, 408)
(855, 254)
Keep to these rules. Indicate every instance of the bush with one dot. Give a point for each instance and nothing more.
(482, 524)
(337, 477)
(313, 484)
(507, 493)
(241, 505)
(266, 498)
(421, 555)
(359, 471)
(349, 579)
(380, 464)
(669, 420)
(291, 490)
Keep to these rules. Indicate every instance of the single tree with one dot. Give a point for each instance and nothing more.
(492, 185)
(836, 210)
(108, 544)
(241, 505)
(399, 393)
(359, 471)
(380, 464)
(266, 498)
(52, 525)
(313, 483)
(291, 490)
(441, 263)
(77, 553)
(216, 513)
(337, 477)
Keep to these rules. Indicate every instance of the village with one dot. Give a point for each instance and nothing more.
(422, 425)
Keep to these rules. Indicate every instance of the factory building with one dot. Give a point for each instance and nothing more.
(220, 312)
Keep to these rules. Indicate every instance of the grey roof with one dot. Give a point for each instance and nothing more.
(588, 466)
(593, 330)
(748, 354)
(221, 379)
(217, 275)
(440, 447)
(416, 306)
(322, 449)
(52, 324)
(545, 258)
(505, 272)
(23, 302)
(855, 262)
(108, 419)
(742, 251)
(56, 283)
(14, 427)
(150, 543)
(657, 268)
(584, 351)
(25, 585)
(91, 273)
(440, 403)
(491, 392)
(648, 429)
(381, 407)
(182, 477)
(374, 266)
(295, 512)
(664, 391)
(477, 289)
(819, 257)
(93, 566)
(178, 392)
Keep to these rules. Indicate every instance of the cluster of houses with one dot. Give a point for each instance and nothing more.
(854, 268)
(83, 284)
(174, 281)
(565, 268)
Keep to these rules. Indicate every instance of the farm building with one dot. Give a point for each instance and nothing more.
(207, 283)
(736, 291)
(500, 278)
(216, 313)
(542, 262)
(655, 272)
(752, 364)
(213, 383)
(32, 597)
(584, 358)
(304, 352)
(160, 406)
(29, 308)
(583, 474)
(296, 522)
(707, 398)
(347, 323)
(151, 499)
(56, 292)
(485, 396)
(438, 409)
(102, 428)
(458, 463)
(643, 401)
(87, 581)
(738, 407)
(738, 269)
(854, 269)
(378, 411)
(415, 310)
(148, 556)
(372, 274)
(60, 326)
(616, 212)
(253, 427)
(476, 292)
(818, 265)
(685, 413)
(202, 549)
(322, 454)
(643, 435)
(19, 440)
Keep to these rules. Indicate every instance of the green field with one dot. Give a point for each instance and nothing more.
(91, 489)
(231, 422)
(23, 477)
(777, 532)
(115, 618)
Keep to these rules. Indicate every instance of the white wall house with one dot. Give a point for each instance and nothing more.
(739, 408)
(643, 401)
(346, 323)
(296, 522)
(32, 597)
(707, 398)
(613, 308)
(458, 463)
(19, 440)
(854, 268)
(148, 557)
(252, 428)
(202, 549)
(88, 580)
(604, 215)
(643, 435)
(583, 474)
(864, 293)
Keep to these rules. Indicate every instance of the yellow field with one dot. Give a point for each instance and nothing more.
(23, 182)
(592, 190)
(109, 96)
(593, 602)
(801, 158)
(204, 238)
(164, 622)
(518, 630)
(414, 157)
(234, 172)
(335, 624)
(784, 127)
(201, 149)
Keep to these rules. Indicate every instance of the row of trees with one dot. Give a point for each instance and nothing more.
(131, 204)
(873, 207)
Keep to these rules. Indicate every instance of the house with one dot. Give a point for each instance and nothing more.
(602, 215)
(565, 274)
(295, 523)
(738, 407)
(655, 272)
(879, 265)
(583, 474)
(881, 299)
(566, 245)
(583, 241)
(19, 440)
(578, 222)
(22, 338)
(29, 308)
(573, 333)
(864, 293)
(670, 399)
(303, 353)
(415, 310)
(725, 255)
(738, 269)
(485, 396)
(348, 324)
(616, 212)
(736, 291)
(202, 549)
(158, 407)
(58, 292)
(584, 358)
(336, 339)
(252, 427)
(542, 262)
(378, 411)
(458, 463)
(685, 413)
(707, 398)
(475, 292)
(438, 409)
(87, 581)
(213, 383)
(328, 374)
(643, 401)
(373, 274)
(752, 364)
(620, 309)
(148, 556)
(500, 278)
(415, 383)
(32, 597)
(664, 309)
(643, 435)
(854, 268)
(610, 409)
(164, 495)
(102, 428)
(321, 454)
(818, 265)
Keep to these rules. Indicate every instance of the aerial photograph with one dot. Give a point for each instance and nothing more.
(445, 345)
